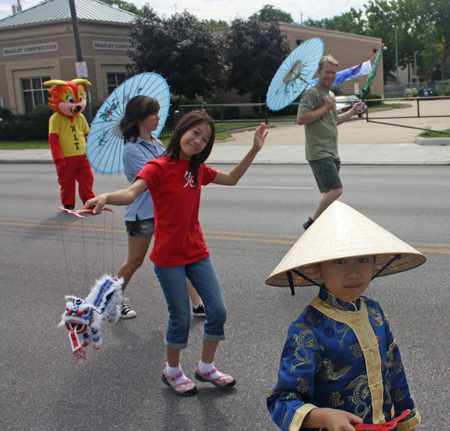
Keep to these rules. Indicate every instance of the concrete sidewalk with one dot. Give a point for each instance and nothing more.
(362, 154)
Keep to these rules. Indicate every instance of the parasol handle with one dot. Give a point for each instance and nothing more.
(312, 86)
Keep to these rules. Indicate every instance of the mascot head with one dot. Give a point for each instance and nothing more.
(68, 97)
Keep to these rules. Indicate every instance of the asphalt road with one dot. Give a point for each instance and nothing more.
(45, 255)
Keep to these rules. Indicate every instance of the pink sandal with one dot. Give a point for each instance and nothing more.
(186, 388)
(224, 381)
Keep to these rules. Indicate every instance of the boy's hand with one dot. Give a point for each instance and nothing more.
(340, 420)
(331, 419)
(260, 136)
(96, 204)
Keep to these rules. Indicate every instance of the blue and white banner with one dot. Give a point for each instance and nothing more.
(351, 73)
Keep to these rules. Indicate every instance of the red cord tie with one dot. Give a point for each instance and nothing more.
(386, 426)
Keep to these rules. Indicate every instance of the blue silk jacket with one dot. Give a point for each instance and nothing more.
(341, 355)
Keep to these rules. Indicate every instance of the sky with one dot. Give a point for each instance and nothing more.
(227, 10)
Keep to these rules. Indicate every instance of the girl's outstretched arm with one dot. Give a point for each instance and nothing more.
(236, 173)
(119, 197)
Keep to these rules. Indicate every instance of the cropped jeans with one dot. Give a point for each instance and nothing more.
(204, 279)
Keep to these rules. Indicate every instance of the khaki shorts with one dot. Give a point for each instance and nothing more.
(326, 173)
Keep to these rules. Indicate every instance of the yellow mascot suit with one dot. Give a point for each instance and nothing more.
(68, 130)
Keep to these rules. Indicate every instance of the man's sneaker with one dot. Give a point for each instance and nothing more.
(127, 312)
(308, 223)
(223, 381)
(199, 311)
(186, 388)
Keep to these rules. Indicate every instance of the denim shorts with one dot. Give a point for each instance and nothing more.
(326, 173)
(140, 228)
(204, 279)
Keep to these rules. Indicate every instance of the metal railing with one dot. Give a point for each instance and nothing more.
(409, 100)
(27, 128)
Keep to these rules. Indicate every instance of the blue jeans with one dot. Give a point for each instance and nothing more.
(204, 279)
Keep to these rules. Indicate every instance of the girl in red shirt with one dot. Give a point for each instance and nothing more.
(179, 251)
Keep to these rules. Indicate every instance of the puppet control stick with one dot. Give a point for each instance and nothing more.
(380, 427)
(77, 213)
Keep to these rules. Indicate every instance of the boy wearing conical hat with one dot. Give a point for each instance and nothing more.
(340, 365)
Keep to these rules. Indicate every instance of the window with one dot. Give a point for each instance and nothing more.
(34, 92)
(114, 80)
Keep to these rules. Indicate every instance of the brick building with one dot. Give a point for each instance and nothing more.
(37, 44)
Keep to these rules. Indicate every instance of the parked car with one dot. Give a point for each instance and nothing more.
(344, 103)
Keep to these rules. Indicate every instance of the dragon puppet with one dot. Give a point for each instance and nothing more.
(68, 130)
(83, 317)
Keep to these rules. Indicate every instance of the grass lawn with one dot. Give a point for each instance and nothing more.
(430, 134)
(44, 144)
(24, 145)
(389, 105)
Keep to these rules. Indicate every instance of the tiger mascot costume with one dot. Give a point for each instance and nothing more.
(68, 130)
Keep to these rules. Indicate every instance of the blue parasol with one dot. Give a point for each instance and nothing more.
(104, 144)
(294, 74)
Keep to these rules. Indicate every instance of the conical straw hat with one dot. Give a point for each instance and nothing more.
(342, 232)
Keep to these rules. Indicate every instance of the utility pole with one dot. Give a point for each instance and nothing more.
(415, 69)
(76, 35)
(396, 56)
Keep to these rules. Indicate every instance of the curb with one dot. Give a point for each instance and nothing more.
(432, 141)
(26, 162)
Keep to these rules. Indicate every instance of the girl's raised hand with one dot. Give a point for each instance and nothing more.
(96, 204)
(260, 136)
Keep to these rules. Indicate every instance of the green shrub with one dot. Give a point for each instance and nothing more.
(337, 91)
(94, 108)
(5, 113)
(28, 127)
(225, 112)
(41, 113)
(370, 100)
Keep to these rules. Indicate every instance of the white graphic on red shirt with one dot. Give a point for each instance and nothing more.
(190, 180)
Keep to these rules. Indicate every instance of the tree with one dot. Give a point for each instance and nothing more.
(348, 22)
(129, 7)
(400, 24)
(439, 16)
(254, 50)
(182, 49)
(212, 23)
(269, 13)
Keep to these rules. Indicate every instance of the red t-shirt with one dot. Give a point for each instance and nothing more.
(176, 201)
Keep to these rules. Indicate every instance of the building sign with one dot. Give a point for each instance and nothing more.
(31, 49)
(115, 46)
